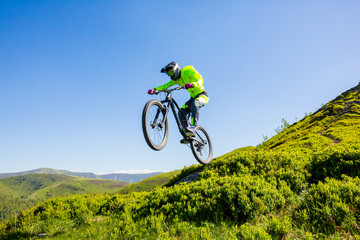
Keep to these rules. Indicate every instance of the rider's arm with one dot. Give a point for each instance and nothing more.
(193, 76)
(199, 83)
(165, 86)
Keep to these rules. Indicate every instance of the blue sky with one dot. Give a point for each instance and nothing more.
(74, 74)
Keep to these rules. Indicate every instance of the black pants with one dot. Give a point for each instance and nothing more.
(190, 107)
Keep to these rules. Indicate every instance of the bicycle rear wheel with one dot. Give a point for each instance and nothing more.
(155, 132)
(201, 146)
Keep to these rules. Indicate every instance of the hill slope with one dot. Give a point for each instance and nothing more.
(335, 123)
(25, 191)
(301, 184)
(148, 184)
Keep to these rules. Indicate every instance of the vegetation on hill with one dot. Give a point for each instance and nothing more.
(148, 184)
(303, 183)
(20, 192)
(334, 123)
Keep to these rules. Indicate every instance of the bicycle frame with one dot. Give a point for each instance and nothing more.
(171, 103)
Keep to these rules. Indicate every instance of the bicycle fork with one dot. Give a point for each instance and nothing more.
(162, 123)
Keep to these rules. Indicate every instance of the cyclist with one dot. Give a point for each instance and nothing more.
(193, 82)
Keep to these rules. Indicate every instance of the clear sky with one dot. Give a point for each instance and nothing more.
(74, 74)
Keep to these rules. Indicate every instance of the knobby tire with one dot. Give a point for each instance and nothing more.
(201, 146)
(156, 137)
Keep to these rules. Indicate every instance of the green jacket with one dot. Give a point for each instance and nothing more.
(188, 75)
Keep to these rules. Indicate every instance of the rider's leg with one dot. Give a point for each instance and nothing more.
(195, 108)
(185, 110)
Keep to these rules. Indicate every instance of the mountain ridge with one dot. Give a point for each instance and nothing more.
(126, 177)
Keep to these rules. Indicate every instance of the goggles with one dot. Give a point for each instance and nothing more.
(170, 72)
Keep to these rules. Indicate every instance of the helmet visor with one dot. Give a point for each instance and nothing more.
(170, 72)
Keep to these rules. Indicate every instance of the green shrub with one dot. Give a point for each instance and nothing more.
(251, 232)
(215, 199)
(289, 167)
(279, 228)
(333, 206)
(336, 108)
(335, 162)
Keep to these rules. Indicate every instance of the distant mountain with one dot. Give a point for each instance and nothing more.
(19, 192)
(126, 177)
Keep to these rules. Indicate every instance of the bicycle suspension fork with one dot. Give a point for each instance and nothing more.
(164, 111)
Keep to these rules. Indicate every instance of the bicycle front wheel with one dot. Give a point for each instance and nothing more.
(156, 131)
(201, 146)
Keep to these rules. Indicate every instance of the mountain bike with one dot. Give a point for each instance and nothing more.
(155, 127)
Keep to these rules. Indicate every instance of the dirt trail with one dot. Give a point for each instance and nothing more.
(189, 178)
(334, 140)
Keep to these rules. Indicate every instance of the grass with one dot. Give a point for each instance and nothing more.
(20, 192)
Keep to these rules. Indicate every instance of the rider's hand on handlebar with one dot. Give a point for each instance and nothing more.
(188, 85)
(153, 91)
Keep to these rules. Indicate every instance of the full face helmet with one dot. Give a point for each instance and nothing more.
(172, 70)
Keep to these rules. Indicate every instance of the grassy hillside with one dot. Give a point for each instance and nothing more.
(335, 123)
(20, 192)
(148, 184)
(302, 183)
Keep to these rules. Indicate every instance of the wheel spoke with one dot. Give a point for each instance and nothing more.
(154, 129)
(156, 133)
(201, 146)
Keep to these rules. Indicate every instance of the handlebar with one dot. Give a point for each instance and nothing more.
(169, 90)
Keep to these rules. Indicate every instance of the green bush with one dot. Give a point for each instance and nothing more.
(289, 167)
(335, 162)
(215, 199)
(279, 228)
(331, 206)
(253, 232)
